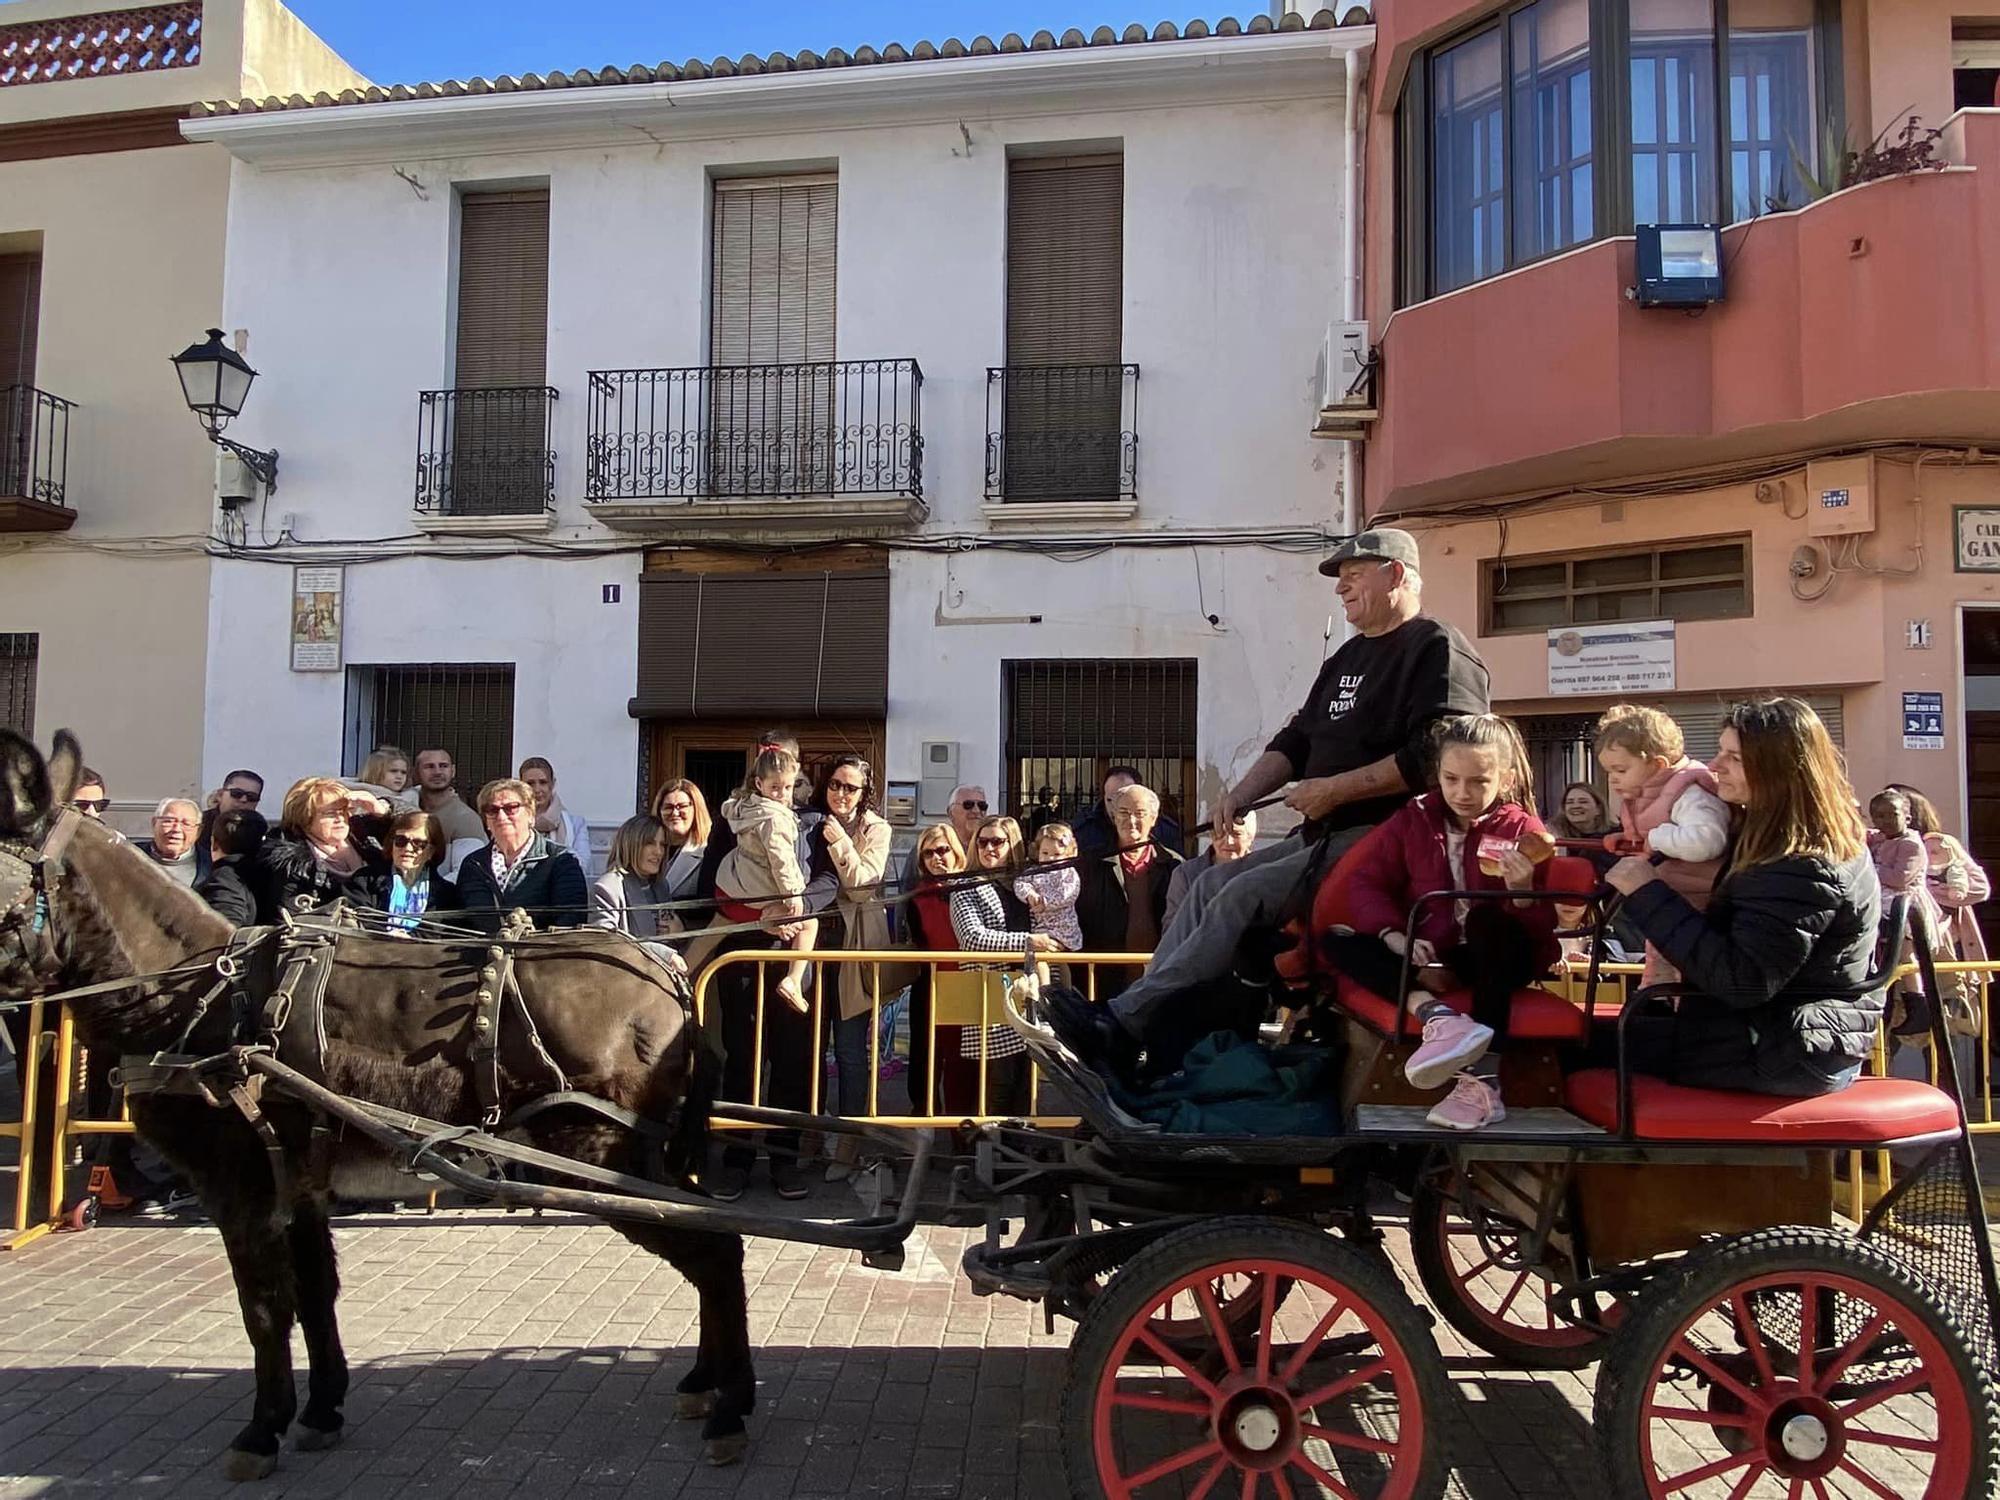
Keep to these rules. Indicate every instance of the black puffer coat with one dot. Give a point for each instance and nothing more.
(1775, 940)
(285, 869)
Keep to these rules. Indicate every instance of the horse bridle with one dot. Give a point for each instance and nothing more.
(30, 875)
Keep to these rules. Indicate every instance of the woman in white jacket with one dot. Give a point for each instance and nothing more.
(857, 841)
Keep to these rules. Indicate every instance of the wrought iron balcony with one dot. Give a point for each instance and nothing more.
(34, 460)
(756, 432)
(1062, 432)
(486, 452)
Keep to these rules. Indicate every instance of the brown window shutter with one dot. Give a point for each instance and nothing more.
(1065, 260)
(20, 317)
(503, 288)
(798, 645)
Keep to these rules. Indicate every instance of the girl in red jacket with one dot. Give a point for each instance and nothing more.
(1466, 834)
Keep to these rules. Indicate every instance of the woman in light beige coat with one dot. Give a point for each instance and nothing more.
(857, 841)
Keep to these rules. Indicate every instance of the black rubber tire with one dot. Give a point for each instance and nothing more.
(1639, 1345)
(1428, 1208)
(1161, 1264)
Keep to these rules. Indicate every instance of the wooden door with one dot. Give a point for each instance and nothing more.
(714, 753)
(1982, 813)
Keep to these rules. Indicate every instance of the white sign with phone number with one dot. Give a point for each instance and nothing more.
(1635, 657)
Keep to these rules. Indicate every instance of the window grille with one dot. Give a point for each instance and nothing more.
(1069, 722)
(466, 709)
(1698, 580)
(19, 655)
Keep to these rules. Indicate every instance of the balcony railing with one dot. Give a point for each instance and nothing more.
(1062, 432)
(846, 427)
(486, 452)
(34, 445)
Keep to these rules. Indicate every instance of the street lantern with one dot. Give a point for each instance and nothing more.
(215, 380)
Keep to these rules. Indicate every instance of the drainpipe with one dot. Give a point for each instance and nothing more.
(1350, 297)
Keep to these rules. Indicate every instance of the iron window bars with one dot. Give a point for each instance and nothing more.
(1062, 432)
(486, 452)
(824, 427)
(34, 445)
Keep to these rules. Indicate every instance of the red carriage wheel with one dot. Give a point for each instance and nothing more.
(1333, 1389)
(1797, 1363)
(1473, 1275)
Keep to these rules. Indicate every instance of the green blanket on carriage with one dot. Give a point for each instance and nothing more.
(1229, 1086)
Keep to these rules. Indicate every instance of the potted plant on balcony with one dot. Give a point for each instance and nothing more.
(1912, 149)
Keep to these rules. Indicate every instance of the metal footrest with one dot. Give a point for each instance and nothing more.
(1534, 1125)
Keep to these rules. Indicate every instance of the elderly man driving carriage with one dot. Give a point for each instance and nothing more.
(1355, 752)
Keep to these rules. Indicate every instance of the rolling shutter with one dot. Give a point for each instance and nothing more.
(1701, 722)
(1065, 260)
(797, 645)
(503, 288)
(20, 314)
(773, 273)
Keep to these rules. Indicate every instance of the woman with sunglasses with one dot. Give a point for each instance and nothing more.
(416, 887)
(326, 847)
(987, 917)
(857, 841)
(518, 867)
(927, 918)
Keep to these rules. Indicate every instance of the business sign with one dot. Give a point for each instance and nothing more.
(1978, 531)
(316, 619)
(1626, 658)
(1923, 721)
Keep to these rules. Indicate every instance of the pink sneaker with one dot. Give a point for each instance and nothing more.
(1472, 1104)
(1450, 1042)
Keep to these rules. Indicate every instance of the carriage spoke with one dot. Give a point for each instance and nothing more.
(1852, 1352)
(1343, 1385)
(1873, 1484)
(1479, 1270)
(1267, 1318)
(1718, 1375)
(1697, 1414)
(1204, 1293)
(1173, 1463)
(1752, 1339)
(1208, 1477)
(1808, 1334)
(1138, 1401)
(1169, 1356)
(1304, 1352)
(1795, 1490)
(1520, 1284)
(1347, 1439)
(1916, 1380)
(1249, 1490)
(1749, 1482)
(1323, 1479)
(1818, 1488)
(1709, 1471)
(1894, 1440)
(1281, 1485)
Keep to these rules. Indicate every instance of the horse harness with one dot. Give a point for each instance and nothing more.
(29, 876)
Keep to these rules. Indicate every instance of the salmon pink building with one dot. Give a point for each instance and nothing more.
(1756, 449)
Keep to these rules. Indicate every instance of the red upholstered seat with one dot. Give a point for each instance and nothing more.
(1537, 1015)
(1870, 1111)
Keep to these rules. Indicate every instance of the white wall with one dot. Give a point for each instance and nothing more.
(342, 276)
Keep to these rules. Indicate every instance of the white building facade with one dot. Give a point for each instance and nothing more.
(950, 406)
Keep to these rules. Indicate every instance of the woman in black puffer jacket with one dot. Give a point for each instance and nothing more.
(327, 847)
(1793, 922)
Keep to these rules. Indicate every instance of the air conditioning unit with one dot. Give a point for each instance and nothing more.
(939, 777)
(1347, 383)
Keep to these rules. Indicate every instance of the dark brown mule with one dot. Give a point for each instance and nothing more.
(397, 1017)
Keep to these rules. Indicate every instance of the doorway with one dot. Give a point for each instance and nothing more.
(715, 753)
(1980, 685)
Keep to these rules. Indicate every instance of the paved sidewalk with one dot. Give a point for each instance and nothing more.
(499, 1354)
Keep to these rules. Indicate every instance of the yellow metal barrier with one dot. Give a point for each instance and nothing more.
(62, 1128)
(966, 990)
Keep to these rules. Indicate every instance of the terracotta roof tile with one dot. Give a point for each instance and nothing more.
(804, 61)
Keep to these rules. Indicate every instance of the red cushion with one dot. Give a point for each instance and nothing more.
(1537, 1015)
(1870, 1111)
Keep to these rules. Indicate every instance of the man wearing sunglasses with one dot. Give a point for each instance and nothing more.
(91, 798)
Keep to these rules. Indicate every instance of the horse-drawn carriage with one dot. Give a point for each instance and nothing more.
(1241, 1328)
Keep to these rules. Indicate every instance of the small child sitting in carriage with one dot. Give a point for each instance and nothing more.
(1666, 805)
(760, 878)
(1475, 830)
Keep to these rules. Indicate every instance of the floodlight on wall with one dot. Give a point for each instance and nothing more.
(216, 380)
(1679, 265)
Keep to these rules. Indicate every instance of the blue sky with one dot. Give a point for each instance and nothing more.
(408, 41)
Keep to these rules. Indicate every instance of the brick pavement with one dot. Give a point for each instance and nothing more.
(501, 1355)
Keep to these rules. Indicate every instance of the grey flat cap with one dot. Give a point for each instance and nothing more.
(1384, 544)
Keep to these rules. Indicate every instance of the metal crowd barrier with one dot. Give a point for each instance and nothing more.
(966, 990)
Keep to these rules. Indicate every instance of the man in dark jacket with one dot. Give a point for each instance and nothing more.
(1123, 900)
(1097, 827)
(1357, 750)
(519, 868)
(233, 842)
(788, 1048)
